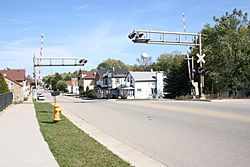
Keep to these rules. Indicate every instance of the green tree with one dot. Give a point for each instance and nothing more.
(112, 63)
(68, 76)
(61, 85)
(3, 85)
(166, 61)
(48, 80)
(175, 65)
(57, 77)
(227, 49)
(178, 83)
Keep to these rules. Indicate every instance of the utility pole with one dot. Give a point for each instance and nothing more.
(35, 79)
(201, 75)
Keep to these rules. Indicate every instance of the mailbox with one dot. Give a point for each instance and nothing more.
(55, 93)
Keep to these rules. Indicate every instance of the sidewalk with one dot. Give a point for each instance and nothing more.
(21, 142)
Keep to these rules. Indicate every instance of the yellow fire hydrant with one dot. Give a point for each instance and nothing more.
(57, 112)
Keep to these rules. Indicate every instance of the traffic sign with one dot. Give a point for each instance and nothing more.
(201, 58)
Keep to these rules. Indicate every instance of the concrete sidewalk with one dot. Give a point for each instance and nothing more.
(21, 142)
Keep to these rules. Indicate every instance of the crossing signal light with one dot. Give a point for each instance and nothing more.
(202, 70)
(83, 61)
(132, 35)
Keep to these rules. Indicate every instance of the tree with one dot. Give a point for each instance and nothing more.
(175, 65)
(178, 83)
(112, 63)
(48, 80)
(57, 77)
(166, 61)
(227, 49)
(68, 76)
(3, 85)
(61, 85)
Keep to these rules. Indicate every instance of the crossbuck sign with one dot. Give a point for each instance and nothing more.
(201, 58)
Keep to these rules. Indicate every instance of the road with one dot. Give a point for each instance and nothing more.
(174, 133)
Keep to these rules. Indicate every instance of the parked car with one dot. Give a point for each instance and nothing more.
(41, 97)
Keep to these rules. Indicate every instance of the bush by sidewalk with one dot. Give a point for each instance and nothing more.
(70, 145)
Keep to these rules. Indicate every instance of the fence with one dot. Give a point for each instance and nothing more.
(5, 100)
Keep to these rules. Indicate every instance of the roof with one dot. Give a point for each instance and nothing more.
(72, 82)
(89, 74)
(119, 73)
(115, 73)
(101, 72)
(14, 74)
(143, 76)
(13, 81)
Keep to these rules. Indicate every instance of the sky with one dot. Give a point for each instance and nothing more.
(96, 29)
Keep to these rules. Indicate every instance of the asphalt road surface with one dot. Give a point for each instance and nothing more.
(174, 133)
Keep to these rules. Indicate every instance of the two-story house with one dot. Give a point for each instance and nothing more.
(143, 85)
(17, 83)
(110, 82)
(86, 79)
(72, 86)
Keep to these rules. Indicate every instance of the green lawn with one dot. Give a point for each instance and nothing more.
(70, 146)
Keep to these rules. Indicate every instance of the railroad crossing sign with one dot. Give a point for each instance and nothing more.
(201, 58)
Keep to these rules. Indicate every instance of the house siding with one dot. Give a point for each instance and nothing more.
(16, 89)
(143, 90)
(147, 87)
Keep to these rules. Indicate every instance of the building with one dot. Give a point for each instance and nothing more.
(72, 86)
(143, 85)
(109, 82)
(86, 80)
(16, 89)
(17, 83)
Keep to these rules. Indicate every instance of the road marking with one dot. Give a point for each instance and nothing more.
(195, 110)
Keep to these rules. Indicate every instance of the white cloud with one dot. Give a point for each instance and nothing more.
(99, 43)
(17, 54)
(106, 40)
(82, 7)
(87, 7)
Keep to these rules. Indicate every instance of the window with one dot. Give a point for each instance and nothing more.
(105, 82)
(131, 93)
(138, 90)
(117, 81)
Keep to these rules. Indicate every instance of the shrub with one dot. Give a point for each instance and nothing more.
(3, 85)
(61, 85)
(25, 99)
(91, 93)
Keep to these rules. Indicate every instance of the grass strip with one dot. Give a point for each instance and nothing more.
(70, 146)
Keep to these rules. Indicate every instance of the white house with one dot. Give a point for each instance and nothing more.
(86, 80)
(72, 86)
(143, 85)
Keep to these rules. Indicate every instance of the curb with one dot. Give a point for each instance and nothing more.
(125, 152)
